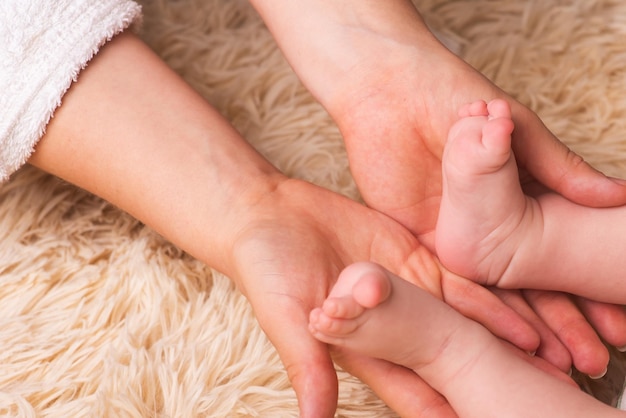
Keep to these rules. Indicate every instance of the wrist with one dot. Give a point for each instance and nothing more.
(134, 133)
(229, 215)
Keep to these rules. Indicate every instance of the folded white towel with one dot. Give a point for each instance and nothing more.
(45, 44)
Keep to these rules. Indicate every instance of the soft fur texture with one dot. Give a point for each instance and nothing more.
(99, 316)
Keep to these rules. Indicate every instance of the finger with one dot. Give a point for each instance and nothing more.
(559, 312)
(542, 365)
(400, 388)
(560, 169)
(608, 320)
(315, 383)
(313, 377)
(483, 306)
(307, 361)
(550, 347)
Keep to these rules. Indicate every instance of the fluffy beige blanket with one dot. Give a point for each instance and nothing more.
(99, 316)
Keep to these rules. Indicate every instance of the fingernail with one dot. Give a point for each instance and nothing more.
(600, 376)
(622, 349)
(569, 372)
(531, 353)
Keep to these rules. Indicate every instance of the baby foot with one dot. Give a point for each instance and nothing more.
(380, 315)
(482, 202)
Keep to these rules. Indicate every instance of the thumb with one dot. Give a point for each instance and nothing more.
(557, 167)
(308, 364)
(314, 380)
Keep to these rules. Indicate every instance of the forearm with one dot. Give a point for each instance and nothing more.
(45, 44)
(351, 38)
(132, 132)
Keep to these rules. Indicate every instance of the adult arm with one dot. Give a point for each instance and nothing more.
(394, 91)
(134, 133)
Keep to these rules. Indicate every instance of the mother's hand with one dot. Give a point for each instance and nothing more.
(290, 248)
(204, 188)
(394, 91)
(395, 136)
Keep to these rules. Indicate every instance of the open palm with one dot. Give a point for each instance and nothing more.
(287, 258)
(395, 137)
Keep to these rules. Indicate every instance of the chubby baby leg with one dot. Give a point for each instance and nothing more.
(380, 315)
(374, 313)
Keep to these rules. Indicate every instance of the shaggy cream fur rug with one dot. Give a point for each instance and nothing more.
(99, 316)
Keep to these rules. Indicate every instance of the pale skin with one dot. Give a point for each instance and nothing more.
(490, 231)
(375, 313)
(131, 131)
(395, 138)
(177, 165)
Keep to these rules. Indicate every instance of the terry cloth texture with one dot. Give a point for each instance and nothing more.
(45, 44)
(100, 317)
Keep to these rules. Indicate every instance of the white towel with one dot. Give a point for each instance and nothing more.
(44, 45)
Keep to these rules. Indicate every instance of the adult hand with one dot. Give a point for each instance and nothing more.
(286, 256)
(395, 139)
(178, 166)
(394, 114)
(396, 158)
